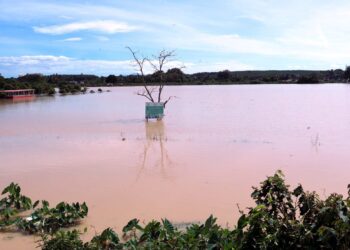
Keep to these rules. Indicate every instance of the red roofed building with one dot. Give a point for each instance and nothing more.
(17, 93)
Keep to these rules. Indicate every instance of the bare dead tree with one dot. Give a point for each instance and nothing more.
(158, 63)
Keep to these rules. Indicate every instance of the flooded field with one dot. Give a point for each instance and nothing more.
(213, 145)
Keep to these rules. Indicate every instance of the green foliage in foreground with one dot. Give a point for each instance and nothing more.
(281, 219)
(17, 212)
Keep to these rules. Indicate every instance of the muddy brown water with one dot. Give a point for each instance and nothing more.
(213, 145)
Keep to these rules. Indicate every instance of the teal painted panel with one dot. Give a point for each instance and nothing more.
(154, 110)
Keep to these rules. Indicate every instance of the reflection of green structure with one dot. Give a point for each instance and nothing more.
(154, 110)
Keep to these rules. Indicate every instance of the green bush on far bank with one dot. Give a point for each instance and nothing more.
(71, 89)
(45, 84)
(29, 81)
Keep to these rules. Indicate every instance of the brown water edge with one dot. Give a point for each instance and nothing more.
(213, 145)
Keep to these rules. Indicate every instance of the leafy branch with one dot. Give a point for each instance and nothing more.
(42, 219)
(281, 219)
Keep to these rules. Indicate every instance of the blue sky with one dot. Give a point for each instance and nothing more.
(89, 37)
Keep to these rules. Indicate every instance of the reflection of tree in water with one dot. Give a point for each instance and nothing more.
(156, 140)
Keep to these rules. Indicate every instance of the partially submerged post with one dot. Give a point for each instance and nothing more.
(154, 108)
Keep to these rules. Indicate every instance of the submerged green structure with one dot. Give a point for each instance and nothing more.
(154, 110)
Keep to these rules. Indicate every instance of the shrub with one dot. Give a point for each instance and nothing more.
(41, 220)
(281, 219)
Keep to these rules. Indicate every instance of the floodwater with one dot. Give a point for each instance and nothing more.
(213, 145)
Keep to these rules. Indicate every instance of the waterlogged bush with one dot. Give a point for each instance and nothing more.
(48, 220)
(17, 212)
(12, 204)
(71, 89)
(285, 219)
(281, 219)
(63, 240)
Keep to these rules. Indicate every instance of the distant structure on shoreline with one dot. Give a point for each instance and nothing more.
(17, 93)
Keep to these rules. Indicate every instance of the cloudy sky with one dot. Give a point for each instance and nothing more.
(64, 36)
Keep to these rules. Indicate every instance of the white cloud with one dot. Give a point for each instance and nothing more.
(66, 17)
(286, 33)
(231, 65)
(237, 44)
(104, 26)
(48, 64)
(218, 43)
(32, 60)
(102, 38)
(42, 10)
(72, 39)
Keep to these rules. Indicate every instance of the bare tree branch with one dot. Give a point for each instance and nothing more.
(162, 59)
(144, 95)
(169, 98)
(154, 66)
(141, 63)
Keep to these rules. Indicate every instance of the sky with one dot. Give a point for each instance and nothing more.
(90, 37)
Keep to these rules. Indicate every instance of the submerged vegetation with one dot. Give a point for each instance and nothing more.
(18, 212)
(71, 89)
(281, 219)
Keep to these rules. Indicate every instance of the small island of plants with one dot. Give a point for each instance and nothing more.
(281, 219)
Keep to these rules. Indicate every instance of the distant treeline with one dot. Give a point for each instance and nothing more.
(46, 84)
